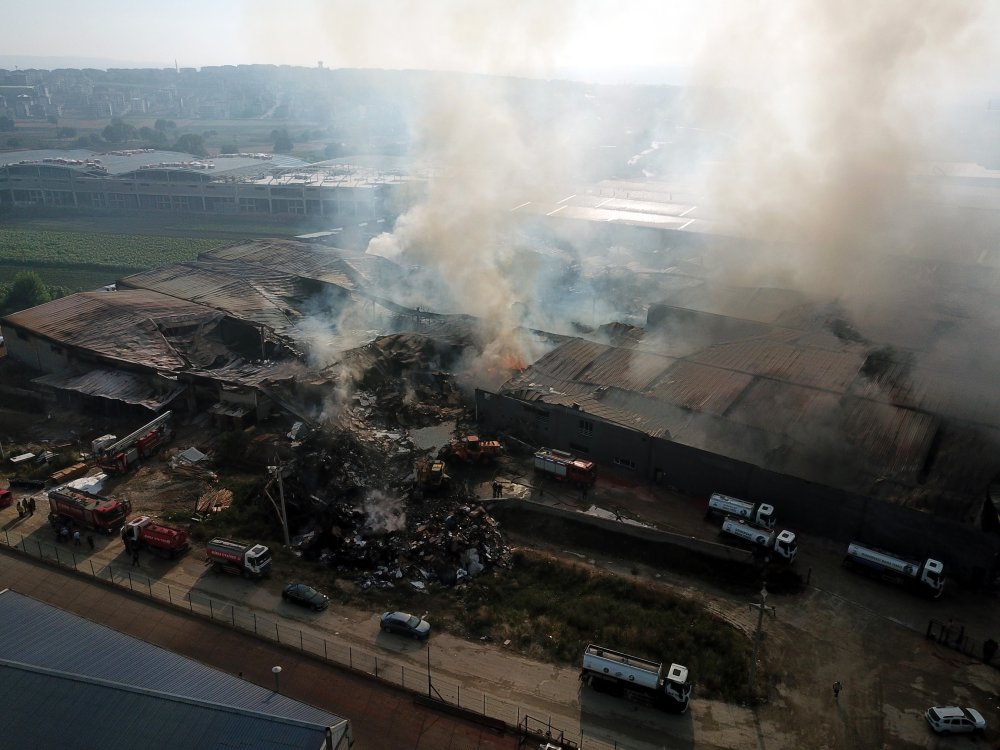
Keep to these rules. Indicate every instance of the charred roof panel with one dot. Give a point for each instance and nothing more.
(570, 359)
(266, 297)
(694, 386)
(829, 370)
(128, 325)
(625, 368)
(776, 406)
(153, 394)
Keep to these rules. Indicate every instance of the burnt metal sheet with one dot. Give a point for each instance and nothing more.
(569, 359)
(152, 393)
(130, 325)
(629, 369)
(826, 369)
(698, 387)
(263, 296)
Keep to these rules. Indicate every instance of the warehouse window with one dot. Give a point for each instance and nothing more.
(586, 427)
(625, 463)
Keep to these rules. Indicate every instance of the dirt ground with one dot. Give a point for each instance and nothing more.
(868, 635)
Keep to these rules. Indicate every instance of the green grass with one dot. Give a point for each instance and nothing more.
(31, 247)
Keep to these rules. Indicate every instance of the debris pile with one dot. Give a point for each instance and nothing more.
(444, 546)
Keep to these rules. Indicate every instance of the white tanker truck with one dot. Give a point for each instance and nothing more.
(759, 514)
(926, 577)
(780, 545)
(637, 679)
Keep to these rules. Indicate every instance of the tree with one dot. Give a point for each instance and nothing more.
(190, 143)
(164, 125)
(229, 148)
(118, 131)
(282, 141)
(27, 290)
(152, 137)
(6, 124)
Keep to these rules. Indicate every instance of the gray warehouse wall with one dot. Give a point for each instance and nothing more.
(970, 554)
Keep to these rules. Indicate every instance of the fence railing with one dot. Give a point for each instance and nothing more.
(418, 680)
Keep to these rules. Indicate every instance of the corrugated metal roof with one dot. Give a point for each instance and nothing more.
(125, 325)
(629, 369)
(829, 370)
(151, 392)
(695, 386)
(187, 703)
(264, 296)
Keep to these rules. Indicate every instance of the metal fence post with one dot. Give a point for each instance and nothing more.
(234, 616)
(350, 657)
(170, 594)
(211, 610)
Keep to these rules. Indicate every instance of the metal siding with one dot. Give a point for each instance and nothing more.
(47, 637)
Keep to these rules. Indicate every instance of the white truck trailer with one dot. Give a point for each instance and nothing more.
(636, 679)
(926, 577)
(781, 546)
(759, 514)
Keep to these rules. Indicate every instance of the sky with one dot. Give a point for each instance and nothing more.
(541, 38)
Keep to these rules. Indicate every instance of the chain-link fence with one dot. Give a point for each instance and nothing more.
(418, 680)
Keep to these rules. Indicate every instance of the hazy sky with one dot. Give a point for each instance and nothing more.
(534, 37)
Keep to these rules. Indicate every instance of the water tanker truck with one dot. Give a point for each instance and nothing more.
(636, 679)
(238, 558)
(144, 532)
(565, 467)
(759, 514)
(779, 545)
(926, 577)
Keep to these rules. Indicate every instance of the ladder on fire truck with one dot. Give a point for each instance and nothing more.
(126, 442)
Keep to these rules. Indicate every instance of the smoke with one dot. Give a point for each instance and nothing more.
(383, 514)
(829, 107)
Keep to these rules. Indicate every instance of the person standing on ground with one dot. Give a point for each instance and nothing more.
(90, 541)
(31, 506)
(837, 687)
(20, 509)
(76, 537)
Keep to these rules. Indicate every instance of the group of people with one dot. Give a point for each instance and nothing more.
(65, 534)
(26, 507)
(497, 490)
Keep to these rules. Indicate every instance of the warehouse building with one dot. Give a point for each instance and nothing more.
(101, 688)
(245, 183)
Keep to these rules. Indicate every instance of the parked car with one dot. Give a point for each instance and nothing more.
(948, 719)
(404, 623)
(307, 596)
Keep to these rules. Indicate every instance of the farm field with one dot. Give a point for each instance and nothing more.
(81, 252)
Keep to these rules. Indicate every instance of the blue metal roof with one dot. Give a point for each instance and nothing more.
(121, 692)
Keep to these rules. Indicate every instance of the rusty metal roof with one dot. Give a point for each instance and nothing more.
(351, 270)
(629, 369)
(151, 392)
(700, 388)
(818, 368)
(264, 296)
(128, 326)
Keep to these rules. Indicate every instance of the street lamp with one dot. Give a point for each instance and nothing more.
(277, 683)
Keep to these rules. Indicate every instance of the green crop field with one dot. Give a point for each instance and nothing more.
(119, 251)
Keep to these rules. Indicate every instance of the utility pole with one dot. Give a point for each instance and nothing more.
(278, 471)
(761, 608)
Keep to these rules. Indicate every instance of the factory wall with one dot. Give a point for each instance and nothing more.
(970, 554)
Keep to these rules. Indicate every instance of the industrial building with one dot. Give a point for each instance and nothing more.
(244, 183)
(102, 688)
(756, 392)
